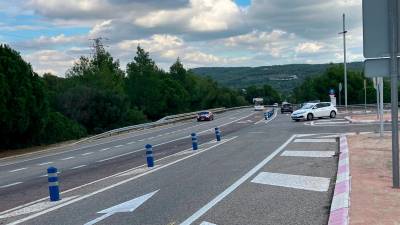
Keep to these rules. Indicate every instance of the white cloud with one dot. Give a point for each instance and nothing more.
(200, 15)
(52, 61)
(308, 47)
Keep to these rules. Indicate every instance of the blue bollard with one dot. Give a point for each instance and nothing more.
(149, 156)
(194, 141)
(218, 134)
(52, 178)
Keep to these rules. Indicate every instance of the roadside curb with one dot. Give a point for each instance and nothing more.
(339, 214)
(348, 118)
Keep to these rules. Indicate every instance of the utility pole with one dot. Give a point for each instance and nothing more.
(365, 95)
(393, 23)
(344, 59)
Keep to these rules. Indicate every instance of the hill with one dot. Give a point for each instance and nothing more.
(281, 77)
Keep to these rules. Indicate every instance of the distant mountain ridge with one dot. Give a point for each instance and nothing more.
(281, 77)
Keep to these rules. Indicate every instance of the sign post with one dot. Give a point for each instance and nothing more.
(380, 37)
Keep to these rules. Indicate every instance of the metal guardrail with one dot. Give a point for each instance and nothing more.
(163, 121)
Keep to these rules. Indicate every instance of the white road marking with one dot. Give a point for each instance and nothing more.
(102, 143)
(68, 158)
(141, 139)
(317, 154)
(77, 167)
(150, 138)
(35, 207)
(132, 142)
(340, 201)
(231, 188)
(104, 149)
(45, 163)
(207, 223)
(293, 181)
(87, 153)
(103, 189)
(128, 206)
(118, 146)
(9, 185)
(338, 122)
(16, 170)
(45, 175)
(315, 140)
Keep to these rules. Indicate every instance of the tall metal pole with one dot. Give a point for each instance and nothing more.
(376, 79)
(393, 21)
(365, 95)
(344, 60)
(381, 104)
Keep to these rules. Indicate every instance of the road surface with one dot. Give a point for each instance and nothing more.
(261, 172)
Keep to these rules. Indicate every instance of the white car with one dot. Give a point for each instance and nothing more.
(309, 111)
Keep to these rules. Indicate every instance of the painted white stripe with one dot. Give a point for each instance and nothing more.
(342, 177)
(317, 154)
(235, 185)
(132, 142)
(340, 201)
(118, 146)
(16, 170)
(207, 223)
(338, 122)
(42, 212)
(315, 140)
(68, 158)
(293, 181)
(104, 149)
(36, 207)
(77, 167)
(45, 163)
(87, 153)
(10, 185)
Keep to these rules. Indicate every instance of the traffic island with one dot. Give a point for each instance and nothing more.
(372, 200)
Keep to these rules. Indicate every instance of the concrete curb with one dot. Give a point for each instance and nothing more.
(340, 206)
(348, 118)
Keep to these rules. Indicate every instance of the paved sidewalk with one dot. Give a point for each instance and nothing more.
(372, 198)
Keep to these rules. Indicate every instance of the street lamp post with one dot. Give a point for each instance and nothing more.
(344, 59)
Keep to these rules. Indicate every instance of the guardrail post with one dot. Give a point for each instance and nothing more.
(194, 141)
(218, 134)
(149, 156)
(52, 178)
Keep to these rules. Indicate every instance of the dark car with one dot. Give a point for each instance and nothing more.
(286, 107)
(206, 115)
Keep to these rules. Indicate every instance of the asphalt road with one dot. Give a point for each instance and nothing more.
(262, 172)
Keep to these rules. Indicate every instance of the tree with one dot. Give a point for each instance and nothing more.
(23, 104)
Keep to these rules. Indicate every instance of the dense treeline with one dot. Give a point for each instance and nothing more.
(266, 92)
(96, 95)
(317, 87)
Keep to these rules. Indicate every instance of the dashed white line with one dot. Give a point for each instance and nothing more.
(16, 170)
(45, 163)
(316, 154)
(9, 185)
(293, 181)
(87, 153)
(67, 158)
(118, 146)
(104, 149)
(132, 142)
(77, 167)
(315, 140)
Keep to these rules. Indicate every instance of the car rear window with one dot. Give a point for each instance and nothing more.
(203, 113)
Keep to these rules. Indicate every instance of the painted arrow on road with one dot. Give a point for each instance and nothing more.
(128, 206)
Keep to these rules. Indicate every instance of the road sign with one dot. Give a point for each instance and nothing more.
(378, 67)
(376, 28)
(331, 91)
(128, 206)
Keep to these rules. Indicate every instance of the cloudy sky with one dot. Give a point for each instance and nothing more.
(51, 34)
